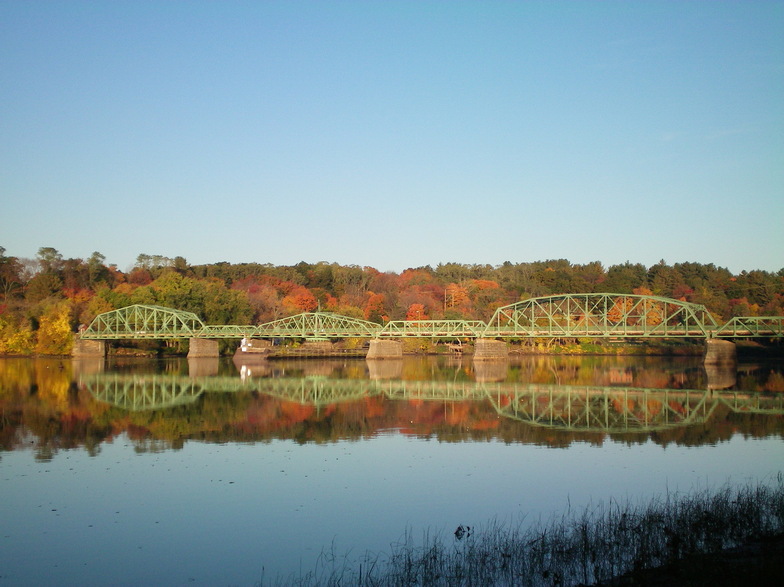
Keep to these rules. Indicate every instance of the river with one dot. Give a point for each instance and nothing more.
(170, 472)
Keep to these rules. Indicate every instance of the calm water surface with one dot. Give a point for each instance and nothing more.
(131, 472)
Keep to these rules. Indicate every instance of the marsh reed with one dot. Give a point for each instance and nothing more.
(587, 547)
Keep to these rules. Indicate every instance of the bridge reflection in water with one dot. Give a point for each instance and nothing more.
(566, 407)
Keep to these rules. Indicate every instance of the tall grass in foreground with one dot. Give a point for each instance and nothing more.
(595, 545)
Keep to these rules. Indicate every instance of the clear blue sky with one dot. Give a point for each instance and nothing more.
(394, 134)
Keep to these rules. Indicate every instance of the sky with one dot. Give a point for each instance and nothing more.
(394, 134)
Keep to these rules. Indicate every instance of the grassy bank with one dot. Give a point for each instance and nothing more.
(593, 546)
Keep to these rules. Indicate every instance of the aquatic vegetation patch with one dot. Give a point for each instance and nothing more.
(592, 546)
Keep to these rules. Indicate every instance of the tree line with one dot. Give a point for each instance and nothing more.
(44, 300)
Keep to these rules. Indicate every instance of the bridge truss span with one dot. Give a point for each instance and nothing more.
(144, 322)
(317, 325)
(752, 326)
(601, 315)
(587, 315)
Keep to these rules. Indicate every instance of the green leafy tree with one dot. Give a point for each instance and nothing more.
(43, 286)
(97, 271)
(10, 274)
(49, 259)
(663, 279)
(142, 295)
(225, 306)
(176, 291)
(97, 305)
(624, 278)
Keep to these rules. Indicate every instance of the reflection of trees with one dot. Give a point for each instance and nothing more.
(41, 407)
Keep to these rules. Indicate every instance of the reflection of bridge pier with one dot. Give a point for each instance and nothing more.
(88, 365)
(720, 363)
(490, 371)
(389, 369)
(720, 376)
(203, 366)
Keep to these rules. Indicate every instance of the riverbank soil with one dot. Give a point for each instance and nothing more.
(758, 564)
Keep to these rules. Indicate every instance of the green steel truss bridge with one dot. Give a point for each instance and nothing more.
(596, 315)
(575, 408)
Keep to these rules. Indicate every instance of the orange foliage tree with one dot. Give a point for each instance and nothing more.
(455, 295)
(620, 308)
(301, 299)
(417, 312)
(653, 311)
(374, 308)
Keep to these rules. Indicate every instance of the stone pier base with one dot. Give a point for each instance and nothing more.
(88, 348)
(202, 347)
(486, 349)
(385, 349)
(720, 352)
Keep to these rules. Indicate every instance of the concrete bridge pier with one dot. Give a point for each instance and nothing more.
(720, 352)
(720, 363)
(88, 349)
(385, 349)
(488, 349)
(202, 347)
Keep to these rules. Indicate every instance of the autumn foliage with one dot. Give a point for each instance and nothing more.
(40, 299)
